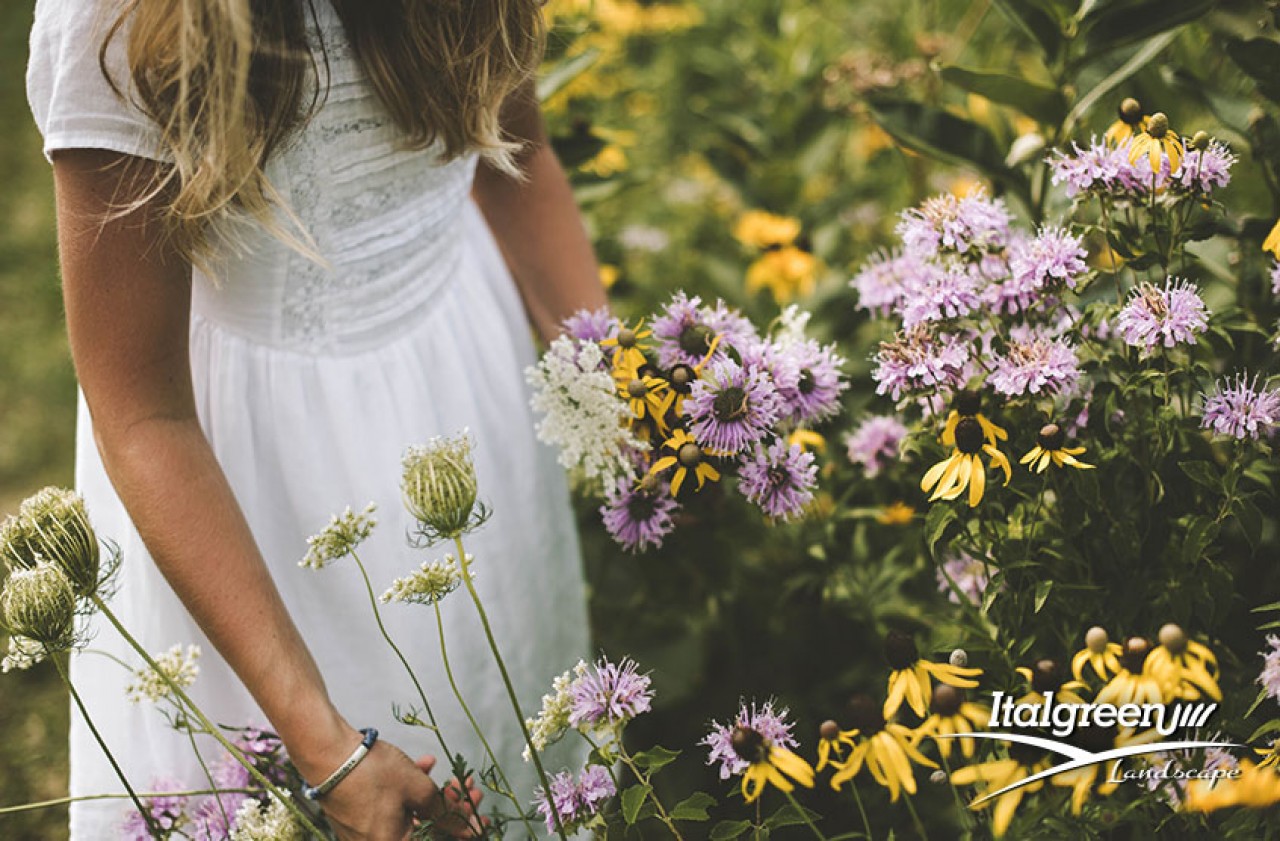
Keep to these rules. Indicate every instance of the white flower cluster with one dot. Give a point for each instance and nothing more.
(23, 654)
(552, 721)
(274, 823)
(582, 414)
(792, 323)
(343, 534)
(177, 665)
(431, 583)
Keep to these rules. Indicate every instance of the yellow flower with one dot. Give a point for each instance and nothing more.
(647, 396)
(833, 740)
(912, 677)
(1271, 758)
(896, 514)
(628, 354)
(1257, 787)
(609, 275)
(1184, 666)
(758, 229)
(688, 456)
(1133, 684)
(1272, 242)
(1155, 142)
(610, 160)
(1099, 652)
(1046, 677)
(1081, 781)
(1023, 762)
(787, 272)
(968, 404)
(806, 438)
(963, 469)
(1128, 124)
(887, 750)
(768, 764)
(952, 715)
(1050, 448)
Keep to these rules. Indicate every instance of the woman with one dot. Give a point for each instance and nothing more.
(278, 275)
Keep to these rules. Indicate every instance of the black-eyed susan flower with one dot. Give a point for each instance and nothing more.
(1257, 787)
(1051, 448)
(1024, 761)
(1156, 142)
(1129, 122)
(648, 396)
(1271, 757)
(1046, 677)
(833, 743)
(912, 678)
(628, 348)
(807, 440)
(1186, 668)
(763, 230)
(1133, 684)
(686, 456)
(1272, 242)
(896, 514)
(887, 749)
(767, 764)
(968, 404)
(1094, 778)
(963, 469)
(1099, 653)
(950, 714)
(787, 272)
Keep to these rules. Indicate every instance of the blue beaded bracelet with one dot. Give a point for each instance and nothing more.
(316, 792)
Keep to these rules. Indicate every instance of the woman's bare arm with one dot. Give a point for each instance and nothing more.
(537, 224)
(128, 307)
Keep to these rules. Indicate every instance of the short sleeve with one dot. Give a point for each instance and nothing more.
(73, 104)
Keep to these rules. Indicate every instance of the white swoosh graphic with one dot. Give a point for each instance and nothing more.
(1079, 757)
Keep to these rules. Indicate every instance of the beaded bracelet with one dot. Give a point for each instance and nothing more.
(316, 792)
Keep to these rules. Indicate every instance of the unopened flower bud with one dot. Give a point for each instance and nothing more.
(1158, 125)
(1200, 141)
(1172, 638)
(39, 604)
(1096, 639)
(62, 535)
(959, 658)
(439, 486)
(938, 777)
(1130, 110)
(829, 730)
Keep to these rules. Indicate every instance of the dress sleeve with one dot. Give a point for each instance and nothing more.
(73, 104)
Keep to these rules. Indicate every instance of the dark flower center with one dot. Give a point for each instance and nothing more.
(689, 455)
(829, 730)
(1158, 125)
(1045, 676)
(1051, 437)
(946, 700)
(969, 436)
(637, 389)
(695, 339)
(1094, 739)
(1135, 654)
(682, 377)
(626, 338)
(1130, 111)
(748, 744)
(641, 507)
(778, 476)
(730, 404)
(1026, 755)
(900, 650)
(967, 402)
(866, 715)
(807, 382)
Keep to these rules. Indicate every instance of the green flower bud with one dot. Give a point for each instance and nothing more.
(39, 604)
(1200, 141)
(62, 535)
(439, 487)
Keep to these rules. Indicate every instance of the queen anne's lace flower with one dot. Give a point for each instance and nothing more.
(23, 654)
(552, 721)
(582, 415)
(343, 534)
(176, 664)
(432, 582)
(275, 822)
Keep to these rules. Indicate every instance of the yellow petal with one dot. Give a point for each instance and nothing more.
(977, 483)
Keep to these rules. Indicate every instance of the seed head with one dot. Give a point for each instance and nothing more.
(439, 487)
(39, 604)
(58, 530)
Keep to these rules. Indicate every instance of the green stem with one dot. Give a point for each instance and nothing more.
(207, 725)
(65, 801)
(966, 815)
(862, 810)
(800, 810)
(152, 826)
(457, 693)
(653, 797)
(915, 816)
(465, 566)
(191, 736)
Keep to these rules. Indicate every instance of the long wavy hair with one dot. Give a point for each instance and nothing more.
(228, 81)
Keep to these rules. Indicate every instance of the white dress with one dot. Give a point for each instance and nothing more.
(310, 382)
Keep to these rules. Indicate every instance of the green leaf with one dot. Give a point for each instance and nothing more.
(1201, 532)
(1117, 24)
(1263, 608)
(1136, 62)
(940, 134)
(1272, 726)
(1042, 594)
(565, 72)
(1040, 102)
(1259, 58)
(632, 799)
(1250, 520)
(1035, 23)
(935, 525)
(728, 830)
(693, 808)
(1202, 473)
(789, 816)
(655, 758)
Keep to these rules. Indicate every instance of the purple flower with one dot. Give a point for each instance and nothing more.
(813, 394)
(1099, 168)
(874, 444)
(917, 359)
(609, 694)
(966, 226)
(731, 408)
(774, 727)
(779, 479)
(595, 787)
(1269, 677)
(884, 279)
(636, 517)
(575, 802)
(168, 813)
(1204, 172)
(1035, 363)
(1275, 279)
(1241, 409)
(686, 328)
(1156, 317)
(1052, 259)
(968, 574)
(591, 325)
(949, 291)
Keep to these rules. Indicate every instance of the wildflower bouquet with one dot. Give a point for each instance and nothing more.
(653, 415)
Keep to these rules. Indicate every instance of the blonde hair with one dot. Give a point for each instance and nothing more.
(227, 83)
